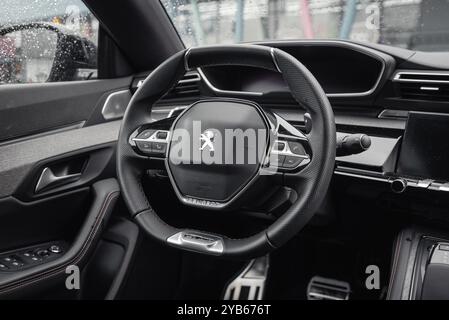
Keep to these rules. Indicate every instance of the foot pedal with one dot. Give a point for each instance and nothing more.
(327, 289)
(250, 284)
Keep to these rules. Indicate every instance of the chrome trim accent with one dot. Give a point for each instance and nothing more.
(361, 176)
(286, 151)
(429, 88)
(186, 60)
(330, 286)
(286, 136)
(190, 73)
(411, 183)
(403, 184)
(198, 241)
(273, 57)
(424, 184)
(170, 113)
(111, 114)
(384, 114)
(153, 138)
(48, 179)
(349, 45)
(397, 76)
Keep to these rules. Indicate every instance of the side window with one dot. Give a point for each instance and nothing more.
(47, 41)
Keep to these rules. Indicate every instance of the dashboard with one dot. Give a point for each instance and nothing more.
(340, 68)
(390, 94)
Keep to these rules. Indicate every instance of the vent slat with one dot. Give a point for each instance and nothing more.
(188, 86)
(423, 86)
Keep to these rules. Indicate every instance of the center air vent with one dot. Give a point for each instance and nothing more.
(187, 87)
(433, 86)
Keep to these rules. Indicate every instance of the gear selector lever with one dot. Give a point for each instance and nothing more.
(436, 279)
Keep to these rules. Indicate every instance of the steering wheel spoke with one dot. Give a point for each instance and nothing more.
(150, 142)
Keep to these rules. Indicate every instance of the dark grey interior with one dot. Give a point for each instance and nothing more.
(386, 204)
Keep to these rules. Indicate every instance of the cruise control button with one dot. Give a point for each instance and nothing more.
(144, 146)
(162, 135)
(297, 148)
(276, 160)
(291, 162)
(3, 267)
(158, 147)
(145, 134)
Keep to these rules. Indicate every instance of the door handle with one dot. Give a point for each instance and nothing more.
(49, 179)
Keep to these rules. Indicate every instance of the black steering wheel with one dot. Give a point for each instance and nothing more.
(283, 154)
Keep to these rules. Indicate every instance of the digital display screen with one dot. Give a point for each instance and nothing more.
(425, 147)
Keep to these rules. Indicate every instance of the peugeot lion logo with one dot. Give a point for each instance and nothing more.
(206, 140)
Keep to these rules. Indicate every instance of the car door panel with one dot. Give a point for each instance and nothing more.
(20, 161)
(61, 129)
(27, 109)
(26, 223)
(104, 195)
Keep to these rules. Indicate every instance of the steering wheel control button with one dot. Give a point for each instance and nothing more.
(159, 147)
(297, 148)
(145, 147)
(145, 134)
(292, 162)
(279, 146)
(3, 267)
(161, 135)
(277, 160)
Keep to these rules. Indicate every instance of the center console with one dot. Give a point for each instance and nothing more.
(419, 159)
(420, 266)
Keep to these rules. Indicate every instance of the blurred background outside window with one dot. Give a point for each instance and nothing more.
(47, 40)
(413, 24)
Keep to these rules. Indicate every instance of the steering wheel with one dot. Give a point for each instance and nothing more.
(302, 161)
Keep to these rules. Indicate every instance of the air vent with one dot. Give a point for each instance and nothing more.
(432, 86)
(187, 87)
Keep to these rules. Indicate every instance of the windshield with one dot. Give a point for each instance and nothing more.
(413, 24)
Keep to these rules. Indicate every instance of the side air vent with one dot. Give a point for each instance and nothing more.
(187, 87)
(433, 86)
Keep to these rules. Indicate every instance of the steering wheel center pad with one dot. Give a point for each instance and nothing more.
(216, 148)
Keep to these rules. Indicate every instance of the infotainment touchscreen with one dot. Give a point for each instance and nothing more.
(425, 147)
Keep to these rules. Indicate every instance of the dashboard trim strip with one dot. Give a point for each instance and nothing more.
(397, 76)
